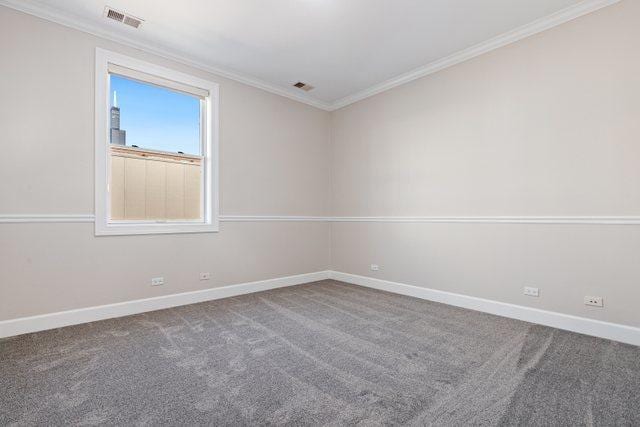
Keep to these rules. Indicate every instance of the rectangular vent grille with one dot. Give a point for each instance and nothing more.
(132, 22)
(116, 15)
(303, 86)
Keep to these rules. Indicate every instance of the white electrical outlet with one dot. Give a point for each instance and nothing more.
(375, 267)
(531, 292)
(593, 301)
(157, 281)
(205, 276)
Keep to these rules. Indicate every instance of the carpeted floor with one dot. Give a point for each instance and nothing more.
(317, 354)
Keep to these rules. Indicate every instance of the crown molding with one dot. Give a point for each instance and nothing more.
(538, 26)
(502, 40)
(79, 24)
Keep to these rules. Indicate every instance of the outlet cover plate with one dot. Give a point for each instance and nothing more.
(531, 292)
(594, 301)
(157, 281)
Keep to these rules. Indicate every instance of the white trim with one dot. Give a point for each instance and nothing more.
(103, 227)
(583, 8)
(582, 325)
(91, 314)
(152, 79)
(36, 218)
(595, 220)
(567, 220)
(272, 218)
(613, 331)
(76, 23)
(535, 27)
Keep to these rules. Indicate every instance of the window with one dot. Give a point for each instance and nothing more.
(156, 149)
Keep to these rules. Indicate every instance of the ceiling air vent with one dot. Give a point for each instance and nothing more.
(303, 86)
(116, 15)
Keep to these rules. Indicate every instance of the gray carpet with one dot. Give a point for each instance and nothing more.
(325, 353)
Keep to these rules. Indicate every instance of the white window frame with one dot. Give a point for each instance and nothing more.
(210, 206)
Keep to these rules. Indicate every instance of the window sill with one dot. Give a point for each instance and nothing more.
(153, 227)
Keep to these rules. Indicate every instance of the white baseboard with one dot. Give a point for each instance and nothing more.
(582, 325)
(91, 314)
(597, 328)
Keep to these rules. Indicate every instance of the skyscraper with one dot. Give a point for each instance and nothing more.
(118, 136)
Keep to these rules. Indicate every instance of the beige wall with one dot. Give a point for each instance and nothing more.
(274, 161)
(546, 126)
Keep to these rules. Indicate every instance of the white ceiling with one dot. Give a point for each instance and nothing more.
(344, 48)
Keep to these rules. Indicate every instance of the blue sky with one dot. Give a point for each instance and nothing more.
(157, 118)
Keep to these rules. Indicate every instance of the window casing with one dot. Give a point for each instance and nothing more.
(200, 214)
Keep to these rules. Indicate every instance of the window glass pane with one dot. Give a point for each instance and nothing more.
(153, 117)
(156, 169)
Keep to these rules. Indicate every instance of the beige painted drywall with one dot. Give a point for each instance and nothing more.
(54, 267)
(546, 126)
(274, 161)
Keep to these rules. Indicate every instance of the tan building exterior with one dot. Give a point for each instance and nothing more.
(153, 185)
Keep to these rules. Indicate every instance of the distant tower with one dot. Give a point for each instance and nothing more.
(118, 136)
